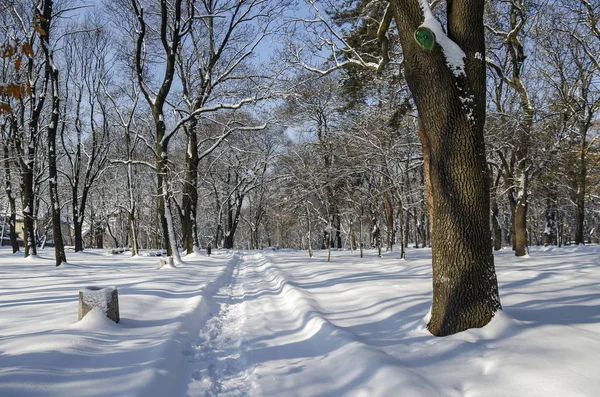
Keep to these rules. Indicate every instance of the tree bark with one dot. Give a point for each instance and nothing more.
(52, 72)
(521, 227)
(426, 172)
(465, 291)
(233, 219)
(581, 187)
(389, 221)
(190, 191)
(496, 227)
(308, 232)
(11, 199)
(402, 232)
(550, 234)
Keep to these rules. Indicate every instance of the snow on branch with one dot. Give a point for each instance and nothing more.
(214, 108)
(455, 56)
(338, 45)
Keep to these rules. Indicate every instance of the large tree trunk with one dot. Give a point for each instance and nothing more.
(465, 291)
(133, 241)
(59, 247)
(228, 241)
(308, 232)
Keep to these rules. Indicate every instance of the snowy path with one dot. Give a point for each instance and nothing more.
(45, 352)
(286, 347)
(218, 362)
(291, 326)
(278, 324)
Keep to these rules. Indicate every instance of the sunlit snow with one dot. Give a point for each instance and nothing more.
(276, 323)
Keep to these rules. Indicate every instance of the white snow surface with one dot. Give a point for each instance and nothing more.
(97, 296)
(44, 351)
(276, 323)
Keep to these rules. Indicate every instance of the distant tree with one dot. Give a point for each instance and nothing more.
(47, 15)
(24, 111)
(158, 38)
(85, 135)
(217, 70)
(6, 130)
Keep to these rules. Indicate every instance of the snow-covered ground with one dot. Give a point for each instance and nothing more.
(45, 352)
(282, 324)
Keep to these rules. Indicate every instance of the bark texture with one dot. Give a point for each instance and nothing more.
(52, 72)
(465, 291)
(11, 199)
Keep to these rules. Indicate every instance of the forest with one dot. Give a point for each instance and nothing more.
(310, 177)
(182, 124)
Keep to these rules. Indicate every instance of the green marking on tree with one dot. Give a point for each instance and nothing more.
(425, 38)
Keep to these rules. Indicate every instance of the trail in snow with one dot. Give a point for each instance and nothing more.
(286, 325)
(289, 326)
(217, 357)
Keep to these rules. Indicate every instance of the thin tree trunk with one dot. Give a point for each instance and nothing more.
(402, 232)
(360, 230)
(11, 201)
(52, 73)
(329, 243)
(161, 189)
(581, 189)
(190, 191)
(389, 222)
(132, 206)
(521, 224)
(496, 228)
(338, 230)
(308, 232)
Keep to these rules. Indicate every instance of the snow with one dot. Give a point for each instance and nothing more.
(97, 297)
(46, 352)
(455, 56)
(276, 323)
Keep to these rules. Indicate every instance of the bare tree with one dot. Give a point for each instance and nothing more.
(161, 31)
(85, 143)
